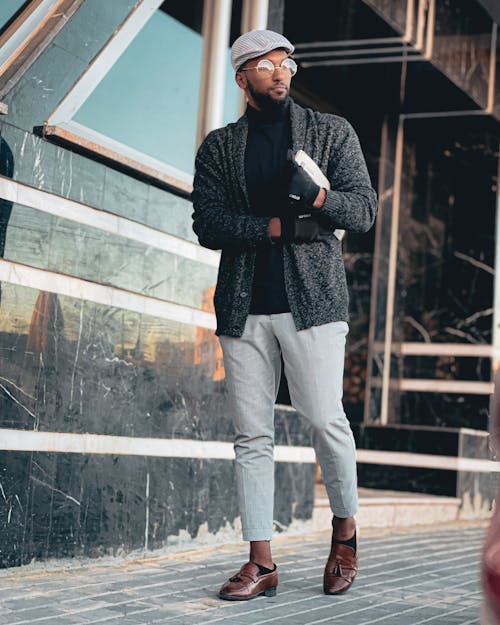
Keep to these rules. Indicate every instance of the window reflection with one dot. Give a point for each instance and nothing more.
(76, 361)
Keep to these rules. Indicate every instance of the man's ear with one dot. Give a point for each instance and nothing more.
(241, 80)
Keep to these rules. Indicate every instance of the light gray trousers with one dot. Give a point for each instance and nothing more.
(314, 366)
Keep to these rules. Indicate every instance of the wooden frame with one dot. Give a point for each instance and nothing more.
(28, 36)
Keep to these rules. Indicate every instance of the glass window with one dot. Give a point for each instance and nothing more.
(145, 103)
(156, 80)
(8, 10)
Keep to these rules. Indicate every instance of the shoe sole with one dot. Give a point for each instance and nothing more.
(268, 592)
(338, 592)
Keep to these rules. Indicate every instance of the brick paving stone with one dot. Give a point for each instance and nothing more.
(415, 576)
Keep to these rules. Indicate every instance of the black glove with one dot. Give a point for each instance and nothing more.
(302, 190)
(303, 230)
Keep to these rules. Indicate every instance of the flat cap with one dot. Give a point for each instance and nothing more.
(255, 43)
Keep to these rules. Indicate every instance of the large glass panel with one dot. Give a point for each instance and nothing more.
(40, 240)
(149, 99)
(8, 9)
(447, 230)
(444, 291)
(156, 80)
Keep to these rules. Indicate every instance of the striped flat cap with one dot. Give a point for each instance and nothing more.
(255, 43)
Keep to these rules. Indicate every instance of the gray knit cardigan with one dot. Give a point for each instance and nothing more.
(314, 272)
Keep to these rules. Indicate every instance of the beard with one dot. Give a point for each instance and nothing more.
(265, 101)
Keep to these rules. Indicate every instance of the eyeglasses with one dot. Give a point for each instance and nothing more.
(265, 67)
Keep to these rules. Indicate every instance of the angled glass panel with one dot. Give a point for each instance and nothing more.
(141, 97)
(149, 98)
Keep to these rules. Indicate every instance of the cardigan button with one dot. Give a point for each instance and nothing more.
(243, 294)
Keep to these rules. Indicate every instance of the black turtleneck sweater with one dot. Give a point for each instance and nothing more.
(267, 174)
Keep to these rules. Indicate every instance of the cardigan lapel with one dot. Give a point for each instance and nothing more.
(298, 125)
(238, 147)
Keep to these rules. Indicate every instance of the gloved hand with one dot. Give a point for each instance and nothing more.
(303, 230)
(302, 189)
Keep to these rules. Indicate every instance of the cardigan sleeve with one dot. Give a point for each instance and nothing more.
(216, 226)
(351, 203)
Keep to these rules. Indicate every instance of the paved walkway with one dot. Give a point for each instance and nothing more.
(406, 578)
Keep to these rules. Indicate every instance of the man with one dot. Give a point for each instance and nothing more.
(281, 291)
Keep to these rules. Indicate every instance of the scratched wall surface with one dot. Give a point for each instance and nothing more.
(75, 366)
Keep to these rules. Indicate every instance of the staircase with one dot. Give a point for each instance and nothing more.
(388, 508)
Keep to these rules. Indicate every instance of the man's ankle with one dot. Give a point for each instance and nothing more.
(343, 527)
(260, 553)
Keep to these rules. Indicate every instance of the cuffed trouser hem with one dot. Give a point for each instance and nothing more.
(257, 534)
(343, 513)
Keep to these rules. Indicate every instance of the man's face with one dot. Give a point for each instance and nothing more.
(267, 89)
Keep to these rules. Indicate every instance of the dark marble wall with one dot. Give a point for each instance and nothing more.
(444, 290)
(447, 230)
(67, 505)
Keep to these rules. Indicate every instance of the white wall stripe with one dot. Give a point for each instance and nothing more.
(61, 442)
(428, 461)
(430, 385)
(439, 349)
(42, 280)
(446, 386)
(108, 222)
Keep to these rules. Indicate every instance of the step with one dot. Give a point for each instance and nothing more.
(388, 508)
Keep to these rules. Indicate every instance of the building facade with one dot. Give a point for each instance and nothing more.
(114, 432)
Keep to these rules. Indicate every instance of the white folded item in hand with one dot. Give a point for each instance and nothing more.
(305, 161)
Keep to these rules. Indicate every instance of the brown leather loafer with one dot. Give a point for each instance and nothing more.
(247, 584)
(341, 568)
